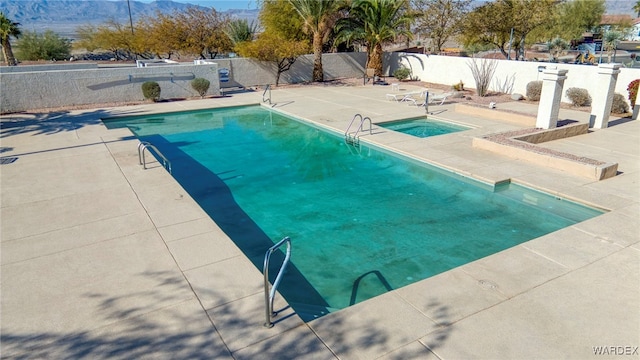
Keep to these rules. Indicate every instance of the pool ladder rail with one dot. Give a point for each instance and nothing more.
(352, 137)
(269, 295)
(145, 145)
(266, 95)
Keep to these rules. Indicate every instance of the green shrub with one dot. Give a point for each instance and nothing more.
(633, 91)
(151, 90)
(401, 73)
(534, 89)
(200, 85)
(45, 46)
(579, 96)
(619, 104)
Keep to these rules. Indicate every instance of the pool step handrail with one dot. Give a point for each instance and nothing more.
(426, 102)
(267, 90)
(347, 135)
(362, 123)
(145, 145)
(269, 295)
(352, 137)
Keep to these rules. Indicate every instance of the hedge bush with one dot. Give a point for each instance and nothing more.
(401, 73)
(534, 89)
(200, 85)
(619, 104)
(151, 90)
(579, 96)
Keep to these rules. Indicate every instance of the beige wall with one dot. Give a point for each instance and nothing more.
(38, 87)
(248, 72)
(47, 89)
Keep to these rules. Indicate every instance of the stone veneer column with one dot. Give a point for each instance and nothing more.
(603, 97)
(549, 107)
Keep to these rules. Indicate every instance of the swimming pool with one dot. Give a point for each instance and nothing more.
(422, 127)
(361, 222)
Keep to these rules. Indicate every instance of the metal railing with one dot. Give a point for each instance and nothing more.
(426, 102)
(362, 123)
(269, 295)
(267, 90)
(352, 137)
(145, 145)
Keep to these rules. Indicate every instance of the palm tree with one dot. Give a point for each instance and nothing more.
(374, 23)
(8, 29)
(610, 42)
(557, 48)
(636, 7)
(240, 30)
(319, 18)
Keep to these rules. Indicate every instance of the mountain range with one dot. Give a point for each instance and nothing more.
(64, 16)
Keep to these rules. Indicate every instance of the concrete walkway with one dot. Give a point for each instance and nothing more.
(101, 259)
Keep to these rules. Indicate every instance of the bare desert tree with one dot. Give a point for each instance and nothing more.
(482, 71)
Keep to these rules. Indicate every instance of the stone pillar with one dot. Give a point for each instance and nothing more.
(549, 107)
(603, 97)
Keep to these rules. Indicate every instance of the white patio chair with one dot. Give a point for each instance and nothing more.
(408, 96)
(436, 99)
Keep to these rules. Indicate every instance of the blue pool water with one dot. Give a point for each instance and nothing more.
(422, 127)
(361, 222)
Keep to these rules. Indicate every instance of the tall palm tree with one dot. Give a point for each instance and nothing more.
(636, 7)
(374, 23)
(319, 16)
(8, 29)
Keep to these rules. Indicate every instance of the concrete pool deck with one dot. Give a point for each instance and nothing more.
(102, 259)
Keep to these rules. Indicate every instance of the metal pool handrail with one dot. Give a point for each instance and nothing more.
(145, 145)
(268, 99)
(346, 132)
(426, 102)
(353, 139)
(270, 295)
(362, 123)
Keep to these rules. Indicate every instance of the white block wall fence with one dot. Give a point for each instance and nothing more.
(449, 70)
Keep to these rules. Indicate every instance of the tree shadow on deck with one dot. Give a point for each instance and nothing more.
(50, 123)
(134, 326)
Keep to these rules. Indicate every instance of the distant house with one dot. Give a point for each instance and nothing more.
(621, 23)
(634, 33)
(612, 22)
